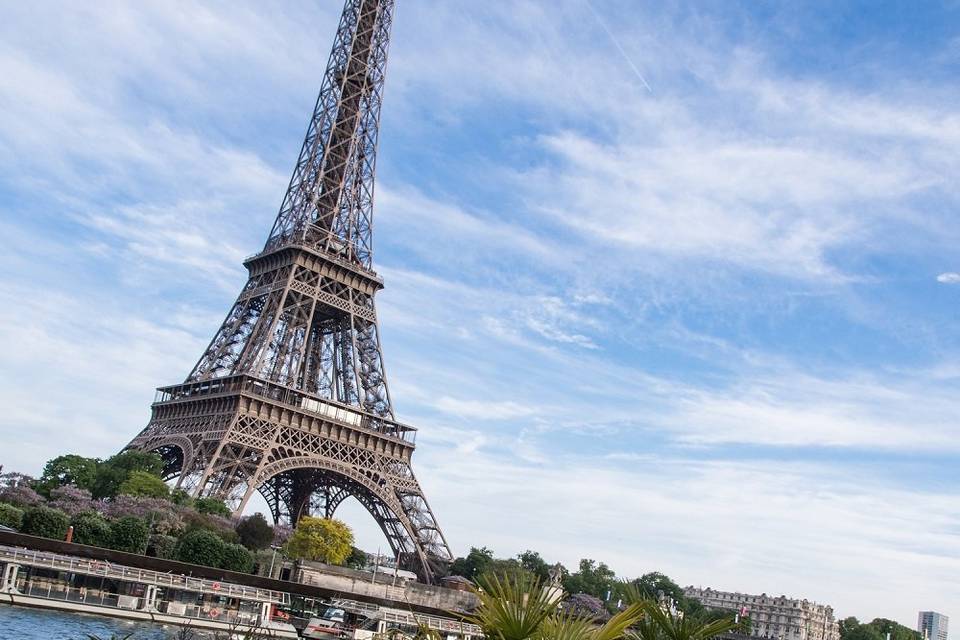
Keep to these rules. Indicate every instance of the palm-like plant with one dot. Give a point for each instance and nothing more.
(662, 624)
(666, 625)
(517, 607)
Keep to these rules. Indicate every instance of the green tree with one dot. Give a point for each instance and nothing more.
(212, 506)
(896, 630)
(535, 564)
(846, 626)
(255, 533)
(323, 539)
(129, 534)
(357, 559)
(11, 516)
(68, 469)
(655, 585)
(144, 484)
(592, 578)
(474, 564)
(114, 471)
(201, 547)
(45, 522)
(93, 529)
(506, 568)
(236, 558)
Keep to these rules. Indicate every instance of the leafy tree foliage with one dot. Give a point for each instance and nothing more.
(323, 539)
(212, 506)
(17, 489)
(281, 533)
(222, 527)
(509, 568)
(474, 564)
(129, 534)
(591, 578)
(181, 498)
(201, 547)
(143, 484)
(255, 533)
(582, 604)
(236, 558)
(162, 546)
(655, 586)
(113, 472)
(11, 516)
(69, 469)
(853, 629)
(535, 564)
(165, 516)
(93, 529)
(70, 499)
(357, 559)
(45, 522)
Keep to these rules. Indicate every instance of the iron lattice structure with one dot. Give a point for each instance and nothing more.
(290, 397)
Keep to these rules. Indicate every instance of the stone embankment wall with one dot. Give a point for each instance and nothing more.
(353, 583)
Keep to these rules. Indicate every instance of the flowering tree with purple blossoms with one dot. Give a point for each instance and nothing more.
(71, 499)
(20, 495)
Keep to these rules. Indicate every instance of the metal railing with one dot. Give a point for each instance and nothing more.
(86, 566)
(290, 397)
(409, 618)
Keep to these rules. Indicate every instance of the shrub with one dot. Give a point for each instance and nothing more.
(181, 498)
(129, 534)
(45, 522)
(201, 547)
(224, 528)
(237, 558)
(91, 528)
(254, 532)
(162, 547)
(70, 499)
(11, 516)
(212, 506)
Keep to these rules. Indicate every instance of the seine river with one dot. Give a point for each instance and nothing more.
(20, 623)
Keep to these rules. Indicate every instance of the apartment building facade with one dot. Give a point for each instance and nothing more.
(774, 617)
(932, 625)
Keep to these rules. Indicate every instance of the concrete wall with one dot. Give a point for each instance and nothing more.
(356, 583)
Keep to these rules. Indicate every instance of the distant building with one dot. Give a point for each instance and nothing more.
(778, 618)
(932, 625)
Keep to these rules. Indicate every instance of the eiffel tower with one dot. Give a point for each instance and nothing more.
(290, 397)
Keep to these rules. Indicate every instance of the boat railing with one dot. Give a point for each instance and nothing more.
(106, 569)
(407, 617)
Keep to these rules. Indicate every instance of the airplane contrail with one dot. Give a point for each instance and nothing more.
(616, 43)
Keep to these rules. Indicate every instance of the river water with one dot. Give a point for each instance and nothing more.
(21, 623)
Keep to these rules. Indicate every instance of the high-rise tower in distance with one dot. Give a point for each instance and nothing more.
(290, 398)
(933, 625)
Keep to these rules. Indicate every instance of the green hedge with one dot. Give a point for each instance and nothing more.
(11, 516)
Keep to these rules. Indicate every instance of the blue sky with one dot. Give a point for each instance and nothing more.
(672, 287)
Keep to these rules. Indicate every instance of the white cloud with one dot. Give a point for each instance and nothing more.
(949, 278)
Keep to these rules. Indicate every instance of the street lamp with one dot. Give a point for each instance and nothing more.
(273, 559)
